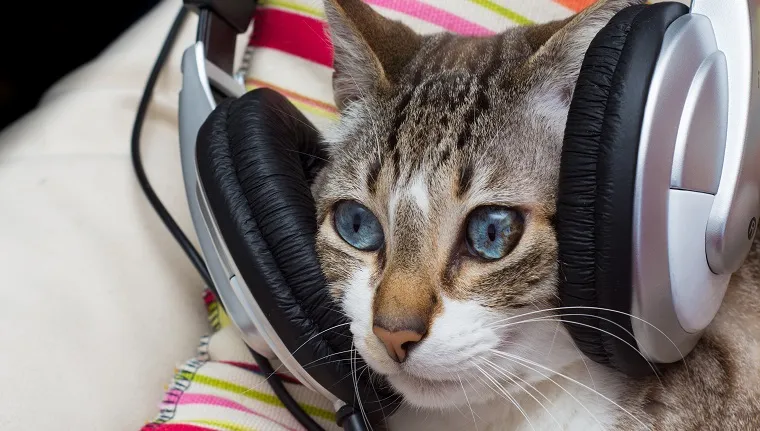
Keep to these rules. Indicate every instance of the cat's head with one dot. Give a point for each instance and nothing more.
(436, 206)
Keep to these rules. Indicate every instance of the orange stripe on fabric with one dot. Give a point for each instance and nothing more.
(575, 5)
(293, 95)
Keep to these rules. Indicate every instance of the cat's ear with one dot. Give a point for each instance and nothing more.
(560, 46)
(369, 49)
(537, 35)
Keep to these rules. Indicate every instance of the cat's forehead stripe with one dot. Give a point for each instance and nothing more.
(419, 195)
(464, 180)
(482, 103)
(431, 60)
(373, 174)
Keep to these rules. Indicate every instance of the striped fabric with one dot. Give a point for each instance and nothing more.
(220, 388)
(291, 52)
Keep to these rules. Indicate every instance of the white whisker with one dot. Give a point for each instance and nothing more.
(474, 422)
(553, 319)
(307, 154)
(334, 361)
(382, 409)
(282, 365)
(535, 364)
(579, 307)
(296, 119)
(327, 356)
(554, 338)
(350, 374)
(354, 354)
(583, 359)
(505, 373)
(318, 334)
(506, 395)
(547, 377)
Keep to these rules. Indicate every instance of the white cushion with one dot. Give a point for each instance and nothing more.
(98, 304)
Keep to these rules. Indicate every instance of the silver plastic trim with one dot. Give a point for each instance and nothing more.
(730, 230)
(697, 291)
(227, 286)
(701, 140)
(687, 44)
(196, 102)
(223, 82)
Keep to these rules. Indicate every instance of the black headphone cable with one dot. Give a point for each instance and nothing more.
(274, 381)
(142, 178)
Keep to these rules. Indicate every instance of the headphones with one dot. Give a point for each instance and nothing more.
(659, 195)
(659, 189)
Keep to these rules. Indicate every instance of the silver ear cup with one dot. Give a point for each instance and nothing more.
(733, 219)
(675, 295)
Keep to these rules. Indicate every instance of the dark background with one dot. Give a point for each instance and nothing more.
(43, 41)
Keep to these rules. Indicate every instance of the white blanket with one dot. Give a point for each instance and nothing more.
(97, 302)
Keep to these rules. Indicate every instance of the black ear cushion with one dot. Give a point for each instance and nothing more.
(596, 183)
(255, 158)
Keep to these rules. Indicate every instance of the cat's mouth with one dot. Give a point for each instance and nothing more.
(422, 381)
(445, 369)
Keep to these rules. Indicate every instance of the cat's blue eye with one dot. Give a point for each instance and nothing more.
(358, 226)
(493, 232)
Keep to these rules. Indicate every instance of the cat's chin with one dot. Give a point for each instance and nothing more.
(435, 394)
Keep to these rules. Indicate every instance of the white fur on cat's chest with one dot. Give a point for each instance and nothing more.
(501, 415)
(569, 410)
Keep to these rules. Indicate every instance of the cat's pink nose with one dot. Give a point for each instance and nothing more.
(397, 342)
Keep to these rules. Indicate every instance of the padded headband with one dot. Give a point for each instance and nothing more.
(256, 156)
(596, 183)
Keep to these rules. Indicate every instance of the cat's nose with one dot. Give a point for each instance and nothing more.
(397, 342)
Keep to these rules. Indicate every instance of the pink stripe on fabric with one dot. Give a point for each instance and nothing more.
(222, 402)
(293, 34)
(433, 15)
(174, 427)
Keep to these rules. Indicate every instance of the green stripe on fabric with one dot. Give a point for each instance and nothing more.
(294, 7)
(259, 396)
(225, 425)
(501, 10)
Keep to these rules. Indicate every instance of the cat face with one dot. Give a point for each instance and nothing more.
(436, 205)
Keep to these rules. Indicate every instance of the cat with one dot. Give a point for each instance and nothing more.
(436, 215)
